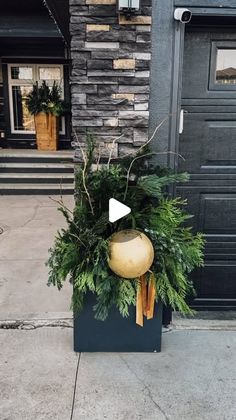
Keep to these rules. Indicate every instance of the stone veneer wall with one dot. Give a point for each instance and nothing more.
(110, 75)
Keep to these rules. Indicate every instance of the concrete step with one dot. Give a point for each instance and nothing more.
(50, 178)
(205, 320)
(33, 172)
(34, 156)
(37, 188)
(29, 167)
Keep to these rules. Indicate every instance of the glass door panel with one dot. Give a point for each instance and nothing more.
(23, 120)
(22, 73)
(50, 73)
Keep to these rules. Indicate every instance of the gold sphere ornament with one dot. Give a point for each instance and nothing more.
(131, 253)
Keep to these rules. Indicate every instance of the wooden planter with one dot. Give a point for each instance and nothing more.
(116, 334)
(47, 131)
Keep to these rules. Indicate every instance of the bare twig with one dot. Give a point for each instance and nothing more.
(77, 237)
(61, 203)
(142, 156)
(149, 140)
(154, 133)
(112, 148)
(84, 172)
(99, 156)
(61, 189)
(80, 147)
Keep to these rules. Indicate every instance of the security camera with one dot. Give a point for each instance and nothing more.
(183, 15)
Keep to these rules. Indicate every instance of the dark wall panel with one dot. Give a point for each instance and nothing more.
(23, 7)
(26, 18)
(37, 47)
(2, 118)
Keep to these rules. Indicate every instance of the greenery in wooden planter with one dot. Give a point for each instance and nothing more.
(42, 98)
(80, 252)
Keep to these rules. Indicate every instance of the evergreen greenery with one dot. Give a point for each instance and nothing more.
(42, 98)
(80, 252)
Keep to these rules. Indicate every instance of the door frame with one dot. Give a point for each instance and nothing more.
(27, 140)
(166, 71)
(11, 82)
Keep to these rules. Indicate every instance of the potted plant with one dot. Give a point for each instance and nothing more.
(46, 105)
(85, 254)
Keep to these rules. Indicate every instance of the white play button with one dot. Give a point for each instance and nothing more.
(117, 210)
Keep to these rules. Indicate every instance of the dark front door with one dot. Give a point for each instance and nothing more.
(208, 145)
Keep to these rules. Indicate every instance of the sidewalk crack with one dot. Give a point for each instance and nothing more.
(35, 324)
(146, 388)
(32, 217)
(75, 387)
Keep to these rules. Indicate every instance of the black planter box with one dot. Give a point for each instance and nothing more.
(116, 334)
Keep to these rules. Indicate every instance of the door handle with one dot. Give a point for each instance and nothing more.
(181, 121)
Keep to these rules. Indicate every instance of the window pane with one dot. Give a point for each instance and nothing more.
(21, 73)
(23, 120)
(50, 73)
(226, 66)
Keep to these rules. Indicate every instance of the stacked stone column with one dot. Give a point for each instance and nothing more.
(110, 75)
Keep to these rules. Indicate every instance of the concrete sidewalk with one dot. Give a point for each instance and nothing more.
(41, 378)
(29, 224)
(194, 378)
